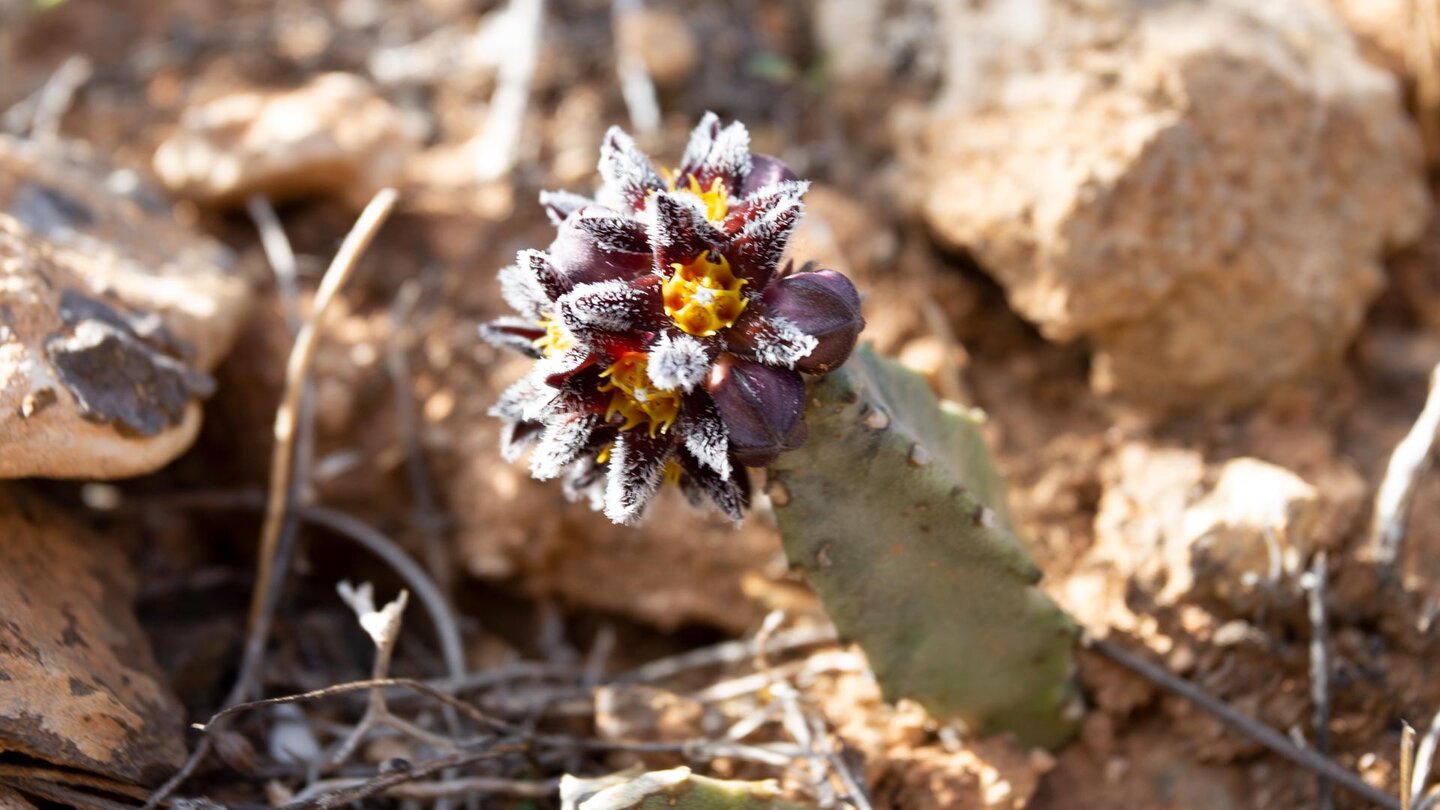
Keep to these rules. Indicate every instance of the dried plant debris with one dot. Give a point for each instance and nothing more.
(677, 789)
(78, 687)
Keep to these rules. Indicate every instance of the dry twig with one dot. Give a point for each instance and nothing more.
(1397, 488)
(494, 151)
(636, 86)
(1270, 738)
(287, 416)
(1314, 584)
(426, 512)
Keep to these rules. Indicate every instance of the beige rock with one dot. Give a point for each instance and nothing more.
(334, 136)
(1387, 29)
(110, 315)
(1188, 532)
(1203, 190)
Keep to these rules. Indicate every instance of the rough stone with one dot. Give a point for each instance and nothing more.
(1186, 531)
(1097, 162)
(111, 314)
(80, 686)
(334, 136)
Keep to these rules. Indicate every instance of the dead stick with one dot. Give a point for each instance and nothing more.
(297, 370)
(1397, 488)
(1248, 726)
(1314, 585)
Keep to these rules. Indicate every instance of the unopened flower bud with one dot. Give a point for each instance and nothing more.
(763, 408)
(824, 305)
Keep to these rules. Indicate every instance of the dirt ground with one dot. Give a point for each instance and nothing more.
(536, 580)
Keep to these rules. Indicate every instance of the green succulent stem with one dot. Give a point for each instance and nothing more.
(895, 513)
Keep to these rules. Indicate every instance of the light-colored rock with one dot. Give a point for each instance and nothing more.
(1388, 30)
(111, 314)
(1204, 190)
(334, 136)
(1188, 532)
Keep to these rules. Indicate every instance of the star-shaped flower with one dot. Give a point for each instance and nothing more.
(669, 341)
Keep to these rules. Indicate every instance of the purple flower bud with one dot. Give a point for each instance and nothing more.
(763, 408)
(824, 305)
(594, 245)
(765, 171)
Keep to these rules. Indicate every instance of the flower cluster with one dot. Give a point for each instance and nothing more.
(669, 341)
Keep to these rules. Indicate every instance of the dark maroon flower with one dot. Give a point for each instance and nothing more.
(668, 345)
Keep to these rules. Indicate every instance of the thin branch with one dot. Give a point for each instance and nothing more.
(1248, 726)
(57, 95)
(447, 627)
(281, 257)
(636, 86)
(383, 627)
(1425, 757)
(422, 494)
(460, 786)
(386, 781)
(1407, 764)
(297, 369)
(1314, 584)
(276, 535)
(494, 151)
(729, 652)
(1397, 488)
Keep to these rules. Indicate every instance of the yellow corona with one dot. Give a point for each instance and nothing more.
(556, 340)
(703, 296)
(635, 398)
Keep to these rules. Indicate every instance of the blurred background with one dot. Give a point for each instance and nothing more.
(1182, 253)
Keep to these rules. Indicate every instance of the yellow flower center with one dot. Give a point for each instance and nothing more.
(703, 297)
(634, 395)
(672, 467)
(556, 340)
(716, 199)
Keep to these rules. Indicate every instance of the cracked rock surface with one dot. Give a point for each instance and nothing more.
(111, 316)
(1204, 191)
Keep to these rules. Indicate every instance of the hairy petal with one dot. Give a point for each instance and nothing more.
(679, 361)
(775, 341)
(614, 233)
(525, 398)
(595, 245)
(611, 306)
(714, 152)
(564, 439)
(679, 230)
(756, 249)
(561, 204)
(720, 489)
(636, 467)
(515, 437)
(515, 334)
(706, 438)
(521, 288)
(702, 140)
(627, 172)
